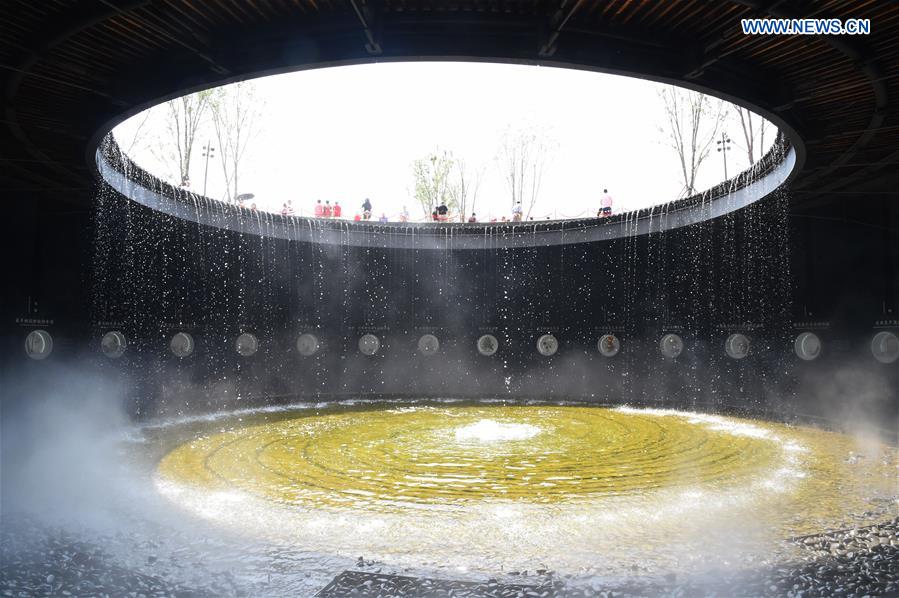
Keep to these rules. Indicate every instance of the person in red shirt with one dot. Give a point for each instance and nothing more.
(327, 211)
(337, 209)
(357, 218)
(319, 209)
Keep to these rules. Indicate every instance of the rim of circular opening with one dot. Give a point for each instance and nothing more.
(776, 168)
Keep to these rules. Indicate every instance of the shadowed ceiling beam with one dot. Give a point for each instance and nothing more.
(366, 19)
(557, 22)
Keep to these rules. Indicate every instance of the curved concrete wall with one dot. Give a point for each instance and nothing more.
(748, 187)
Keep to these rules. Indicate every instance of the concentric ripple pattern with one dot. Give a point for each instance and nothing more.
(457, 455)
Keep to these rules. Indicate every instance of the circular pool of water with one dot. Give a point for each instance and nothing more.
(493, 487)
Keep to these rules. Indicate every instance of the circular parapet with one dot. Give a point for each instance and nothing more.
(127, 178)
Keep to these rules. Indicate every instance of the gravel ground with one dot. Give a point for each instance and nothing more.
(56, 564)
(858, 562)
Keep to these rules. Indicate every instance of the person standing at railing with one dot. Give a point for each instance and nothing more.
(366, 209)
(516, 212)
(605, 205)
(319, 209)
(326, 212)
(404, 215)
(337, 209)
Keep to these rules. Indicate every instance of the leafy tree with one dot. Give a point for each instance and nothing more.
(432, 180)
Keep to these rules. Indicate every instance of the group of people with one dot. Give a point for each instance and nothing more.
(326, 210)
(440, 213)
(367, 211)
(604, 211)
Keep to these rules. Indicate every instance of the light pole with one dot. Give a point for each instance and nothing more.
(208, 152)
(723, 147)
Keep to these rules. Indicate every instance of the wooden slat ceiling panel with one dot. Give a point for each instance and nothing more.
(831, 91)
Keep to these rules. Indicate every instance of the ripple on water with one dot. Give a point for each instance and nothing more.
(490, 487)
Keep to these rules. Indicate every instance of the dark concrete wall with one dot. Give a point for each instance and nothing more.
(757, 271)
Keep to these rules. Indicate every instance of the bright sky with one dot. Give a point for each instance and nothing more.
(347, 133)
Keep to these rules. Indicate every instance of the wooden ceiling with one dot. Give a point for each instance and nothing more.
(71, 68)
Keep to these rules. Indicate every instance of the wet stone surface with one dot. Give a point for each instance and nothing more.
(56, 564)
(360, 583)
(856, 562)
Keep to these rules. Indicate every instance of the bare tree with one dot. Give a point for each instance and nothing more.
(235, 114)
(432, 179)
(523, 158)
(464, 187)
(183, 118)
(138, 134)
(693, 120)
(753, 132)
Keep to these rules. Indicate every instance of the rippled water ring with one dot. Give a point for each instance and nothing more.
(419, 455)
(493, 487)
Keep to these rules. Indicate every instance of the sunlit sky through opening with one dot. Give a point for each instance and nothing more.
(349, 133)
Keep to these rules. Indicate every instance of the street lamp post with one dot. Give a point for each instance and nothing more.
(208, 152)
(723, 147)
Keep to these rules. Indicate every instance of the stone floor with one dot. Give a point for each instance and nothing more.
(361, 583)
(856, 562)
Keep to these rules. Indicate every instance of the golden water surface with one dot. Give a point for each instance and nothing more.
(537, 479)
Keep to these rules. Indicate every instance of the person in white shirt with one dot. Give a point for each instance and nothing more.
(516, 212)
(605, 205)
